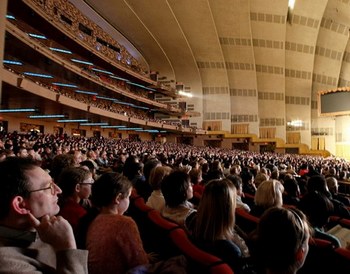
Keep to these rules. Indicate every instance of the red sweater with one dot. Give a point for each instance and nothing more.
(72, 212)
(114, 245)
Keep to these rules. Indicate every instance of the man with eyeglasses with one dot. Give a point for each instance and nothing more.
(32, 238)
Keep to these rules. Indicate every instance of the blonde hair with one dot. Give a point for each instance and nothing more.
(269, 194)
(157, 175)
(215, 215)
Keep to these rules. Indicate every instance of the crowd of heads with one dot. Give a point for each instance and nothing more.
(200, 188)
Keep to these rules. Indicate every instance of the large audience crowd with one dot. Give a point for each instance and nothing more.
(202, 189)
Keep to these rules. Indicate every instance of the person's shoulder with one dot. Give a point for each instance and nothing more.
(123, 220)
(17, 259)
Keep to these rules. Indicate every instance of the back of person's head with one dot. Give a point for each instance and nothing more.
(135, 169)
(269, 194)
(235, 170)
(149, 165)
(157, 175)
(59, 163)
(129, 166)
(215, 215)
(317, 207)
(343, 175)
(275, 174)
(195, 175)
(107, 187)
(332, 184)
(14, 181)
(259, 178)
(216, 165)
(236, 180)
(205, 167)
(282, 240)
(332, 172)
(70, 178)
(317, 183)
(89, 165)
(291, 187)
(174, 188)
(265, 170)
(247, 176)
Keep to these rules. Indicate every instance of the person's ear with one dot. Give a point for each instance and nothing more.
(77, 187)
(19, 205)
(300, 254)
(118, 198)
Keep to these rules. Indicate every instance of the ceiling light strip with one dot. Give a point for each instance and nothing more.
(46, 116)
(73, 121)
(14, 110)
(61, 50)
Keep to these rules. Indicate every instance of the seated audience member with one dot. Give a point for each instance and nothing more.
(214, 224)
(275, 174)
(236, 170)
(59, 163)
(268, 194)
(237, 182)
(177, 190)
(227, 168)
(333, 186)
(303, 170)
(75, 183)
(92, 157)
(196, 180)
(291, 195)
(312, 171)
(113, 240)
(281, 241)
(156, 200)
(215, 171)
(91, 168)
(332, 172)
(248, 184)
(260, 177)
(21, 152)
(32, 238)
(205, 170)
(290, 170)
(102, 159)
(318, 208)
(129, 167)
(133, 170)
(142, 186)
(318, 183)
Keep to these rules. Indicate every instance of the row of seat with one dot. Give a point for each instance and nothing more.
(168, 239)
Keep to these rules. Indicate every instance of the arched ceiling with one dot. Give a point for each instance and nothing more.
(174, 35)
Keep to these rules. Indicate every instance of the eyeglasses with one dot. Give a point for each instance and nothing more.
(51, 186)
